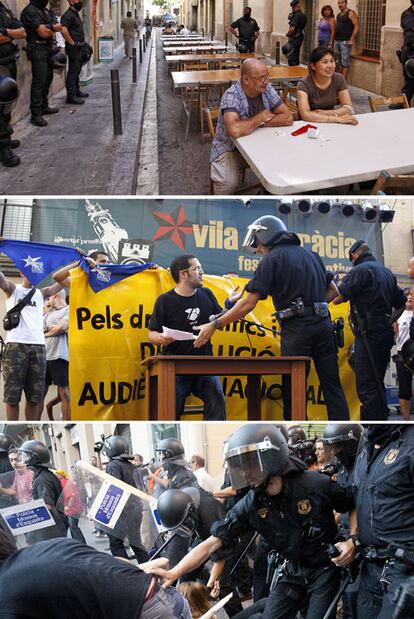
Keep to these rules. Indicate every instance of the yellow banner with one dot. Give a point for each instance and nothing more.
(108, 338)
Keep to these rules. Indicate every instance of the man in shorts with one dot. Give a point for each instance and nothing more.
(347, 28)
(55, 324)
(24, 358)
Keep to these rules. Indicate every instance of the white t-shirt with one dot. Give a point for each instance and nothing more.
(404, 328)
(185, 32)
(204, 479)
(30, 328)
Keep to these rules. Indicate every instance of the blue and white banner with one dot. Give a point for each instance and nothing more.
(37, 260)
(156, 516)
(108, 504)
(27, 517)
(103, 275)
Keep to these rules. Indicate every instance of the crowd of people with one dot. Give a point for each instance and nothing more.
(36, 352)
(300, 524)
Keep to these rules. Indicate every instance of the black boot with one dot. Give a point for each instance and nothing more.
(75, 101)
(39, 121)
(50, 110)
(8, 158)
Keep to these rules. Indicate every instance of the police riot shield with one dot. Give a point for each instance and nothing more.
(24, 517)
(102, 509)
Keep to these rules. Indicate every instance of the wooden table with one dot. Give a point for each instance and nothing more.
(193, 49)
(181, 58)
(186, 42)
(348, 154)
(161, 372)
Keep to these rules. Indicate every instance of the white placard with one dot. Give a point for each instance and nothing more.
(27, 517)
(108, 505)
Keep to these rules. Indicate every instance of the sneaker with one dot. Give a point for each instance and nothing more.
(75, 101)
(8, 158)
(39, 121)
(50, 110)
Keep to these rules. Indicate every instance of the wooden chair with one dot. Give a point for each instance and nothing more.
(290, 99)
(377, 102)
(229, 64)
(386, 184)
(211, 115)
(195, 66)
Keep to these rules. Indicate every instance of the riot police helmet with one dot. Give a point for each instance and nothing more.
(176, 508)
(265, 230)
(9, 91)
(58, 58)
(409, 67)
(170, 451)
(242, 48)
(86, 53)
(33, 453)
(255, 453)
(407, 353)
(116, 447)
(288, 48)
(341, 442)
(284, 430)
(6, 443)
(296, 434)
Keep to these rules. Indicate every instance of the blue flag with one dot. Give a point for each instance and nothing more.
(104, 275)
(37, 260)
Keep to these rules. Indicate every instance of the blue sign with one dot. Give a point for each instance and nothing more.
(28, 517)
(108, 504)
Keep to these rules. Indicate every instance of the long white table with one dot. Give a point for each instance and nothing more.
(289, 165)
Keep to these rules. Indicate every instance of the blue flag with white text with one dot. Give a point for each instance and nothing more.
(37, 260)
(103, 275)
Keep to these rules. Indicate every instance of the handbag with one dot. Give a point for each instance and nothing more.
(12, 318)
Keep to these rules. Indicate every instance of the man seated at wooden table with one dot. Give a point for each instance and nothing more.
(248, 104)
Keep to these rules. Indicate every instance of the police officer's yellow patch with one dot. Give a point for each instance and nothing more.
(304, 507)
(263, 512)
(391, 456)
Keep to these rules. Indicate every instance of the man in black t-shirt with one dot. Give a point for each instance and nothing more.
(72, 30)
(247, 30)
(184, 307)
(297, 23)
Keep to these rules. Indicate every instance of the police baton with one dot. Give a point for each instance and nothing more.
(379, 383)
(337, 597)
(164, 545)
(243, 554)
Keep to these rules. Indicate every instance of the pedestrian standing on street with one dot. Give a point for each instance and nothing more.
(73, 33)
(247, 30)
(373, 292)
(297, 24)
(40, 24)
(129, 26)
(300, 288)
(347, 28)
(10, 28)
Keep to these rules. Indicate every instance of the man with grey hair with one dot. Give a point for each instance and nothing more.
(55, 324)
(248, 104)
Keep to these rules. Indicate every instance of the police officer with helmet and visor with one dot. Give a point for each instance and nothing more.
(292, 509)
(300, 287)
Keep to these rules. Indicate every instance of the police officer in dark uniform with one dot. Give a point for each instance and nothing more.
(246, 29)
(292, 509)
(40, 24)
(373, 292)
(297, 280)
(72, 30)
(297, 24)
(342, 444)
(192, 511)
(407, 51)
(129, 523)
(46, 486)
(10, 28)
(170, 453)
(6, 443)
(384, 497)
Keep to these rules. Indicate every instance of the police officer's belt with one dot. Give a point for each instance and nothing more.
(298, 308)
(41, 42)
(389, 552)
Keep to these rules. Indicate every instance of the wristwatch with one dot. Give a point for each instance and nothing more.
(356, 541)
(262, 124)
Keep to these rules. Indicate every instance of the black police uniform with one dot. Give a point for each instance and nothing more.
(289, 272)
(6, 479)
(129, 523)
(407, 25)
(180, 476)
(47, 486)
(72, 21)
(372, 290)
(64, 579)
(296, 19)
(298, 523)
(39, 51)
(8, 55)
(384, 497)
(247, 29)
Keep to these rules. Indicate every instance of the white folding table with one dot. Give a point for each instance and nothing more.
(343, 154)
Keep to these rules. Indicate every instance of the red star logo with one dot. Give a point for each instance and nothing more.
(173, 226)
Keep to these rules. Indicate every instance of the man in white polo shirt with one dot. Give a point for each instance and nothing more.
(24, 359)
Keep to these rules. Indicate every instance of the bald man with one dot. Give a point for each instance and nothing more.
(248, 104)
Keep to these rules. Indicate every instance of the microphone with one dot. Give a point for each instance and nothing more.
(214, 317)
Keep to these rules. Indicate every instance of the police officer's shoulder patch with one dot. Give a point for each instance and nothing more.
(391, 456)
(304, 507)
(263, 512)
